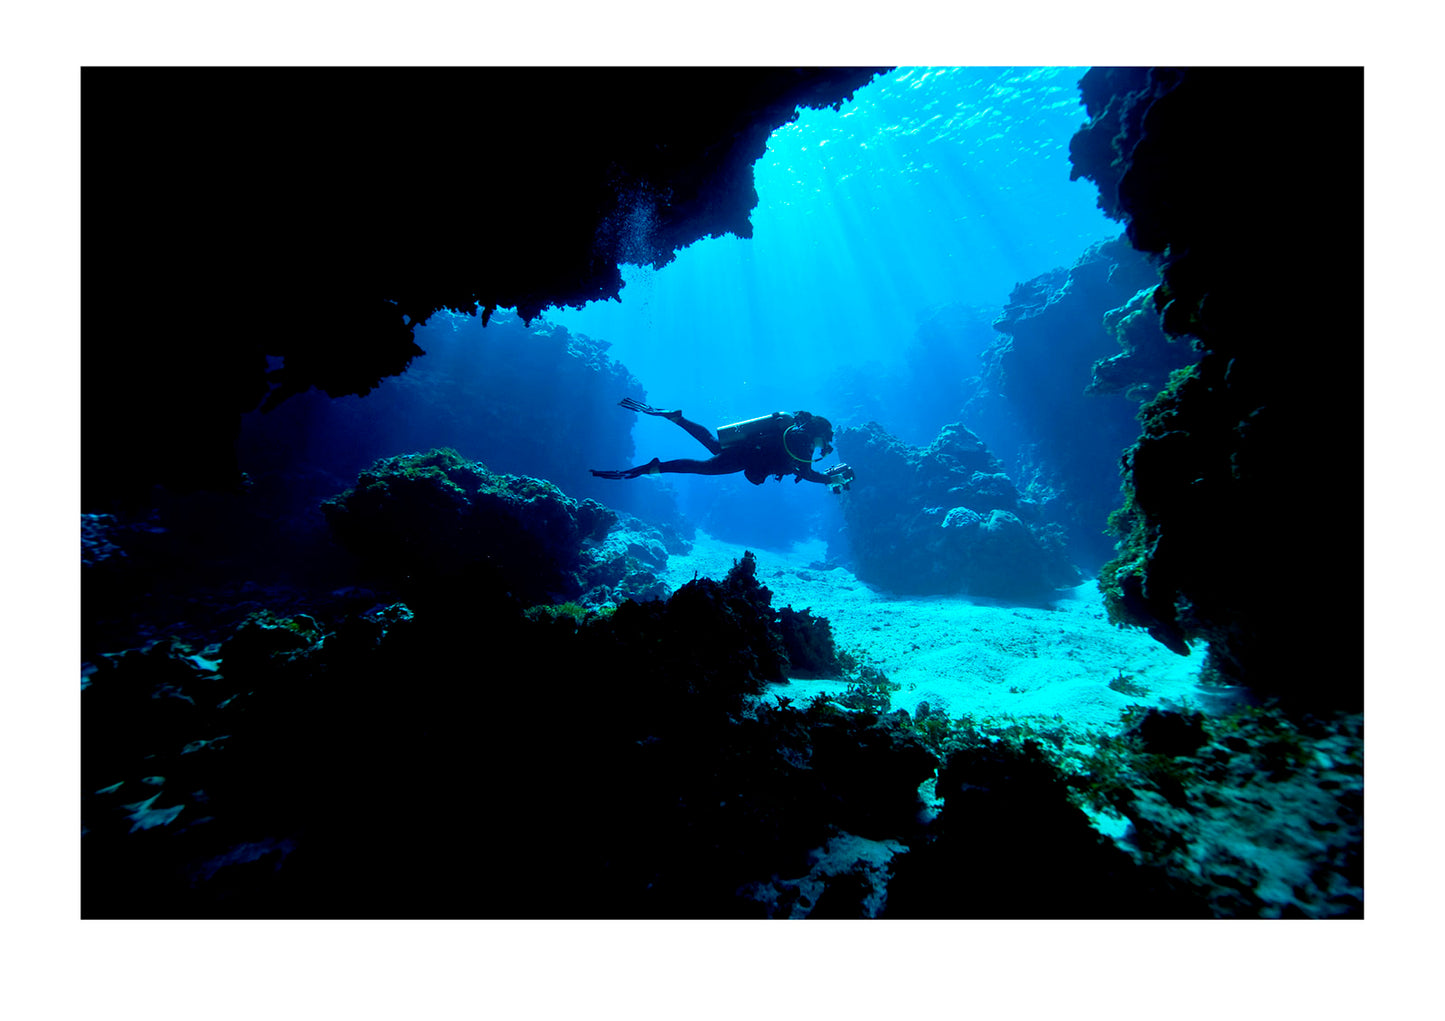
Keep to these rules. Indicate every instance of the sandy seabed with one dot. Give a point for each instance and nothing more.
(969, 655)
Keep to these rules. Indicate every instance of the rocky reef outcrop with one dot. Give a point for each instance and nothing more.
(1007, 815)
(1076, 355)
(318, 215)
(534, 400)
(1246, 815)
(436, 526)
(390, 763)
(945, 519)
(1052, 383)
(1250, 201)
(460, 756)
(385, 763)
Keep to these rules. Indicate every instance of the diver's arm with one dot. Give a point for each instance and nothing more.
(837, 478)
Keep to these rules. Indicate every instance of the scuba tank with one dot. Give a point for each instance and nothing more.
(754, 430)
(761, 430)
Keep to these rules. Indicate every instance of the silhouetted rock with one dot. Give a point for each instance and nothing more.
(1222, 177)
(318, 215)
(808, 641)
(1169, 733)
(400, 763)
(1010, 844)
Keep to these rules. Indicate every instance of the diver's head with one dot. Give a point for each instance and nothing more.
(816, 433)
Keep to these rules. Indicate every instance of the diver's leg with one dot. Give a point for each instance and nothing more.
(702, 434)
(698, 432)
(723, 464)
(712, 466)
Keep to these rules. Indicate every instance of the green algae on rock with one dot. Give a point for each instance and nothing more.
(437, 522)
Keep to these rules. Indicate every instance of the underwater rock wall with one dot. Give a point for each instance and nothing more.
(1246, 186)
(1052, 383)
(533, 400)
(320, 214)
(945, 519)
(1058, 330)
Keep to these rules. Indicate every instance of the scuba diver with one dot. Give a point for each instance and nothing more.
(778, 444)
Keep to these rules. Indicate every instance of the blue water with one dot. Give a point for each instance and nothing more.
(933, 186)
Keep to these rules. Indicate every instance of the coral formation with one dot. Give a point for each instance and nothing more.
(1262, 814)
(1042, 373)
(435, 521)
(1147, 354)
(1222, 180)
(623, 564)
(808, 642)
(1247, 815)
(278, 773)
(946, 519)
(773, 643)
(1010, 843)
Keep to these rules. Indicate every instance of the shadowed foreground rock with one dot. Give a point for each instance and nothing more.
(400, 764)
(1251, 204)
(468, 758)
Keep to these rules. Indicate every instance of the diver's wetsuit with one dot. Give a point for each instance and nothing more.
(756, 459)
